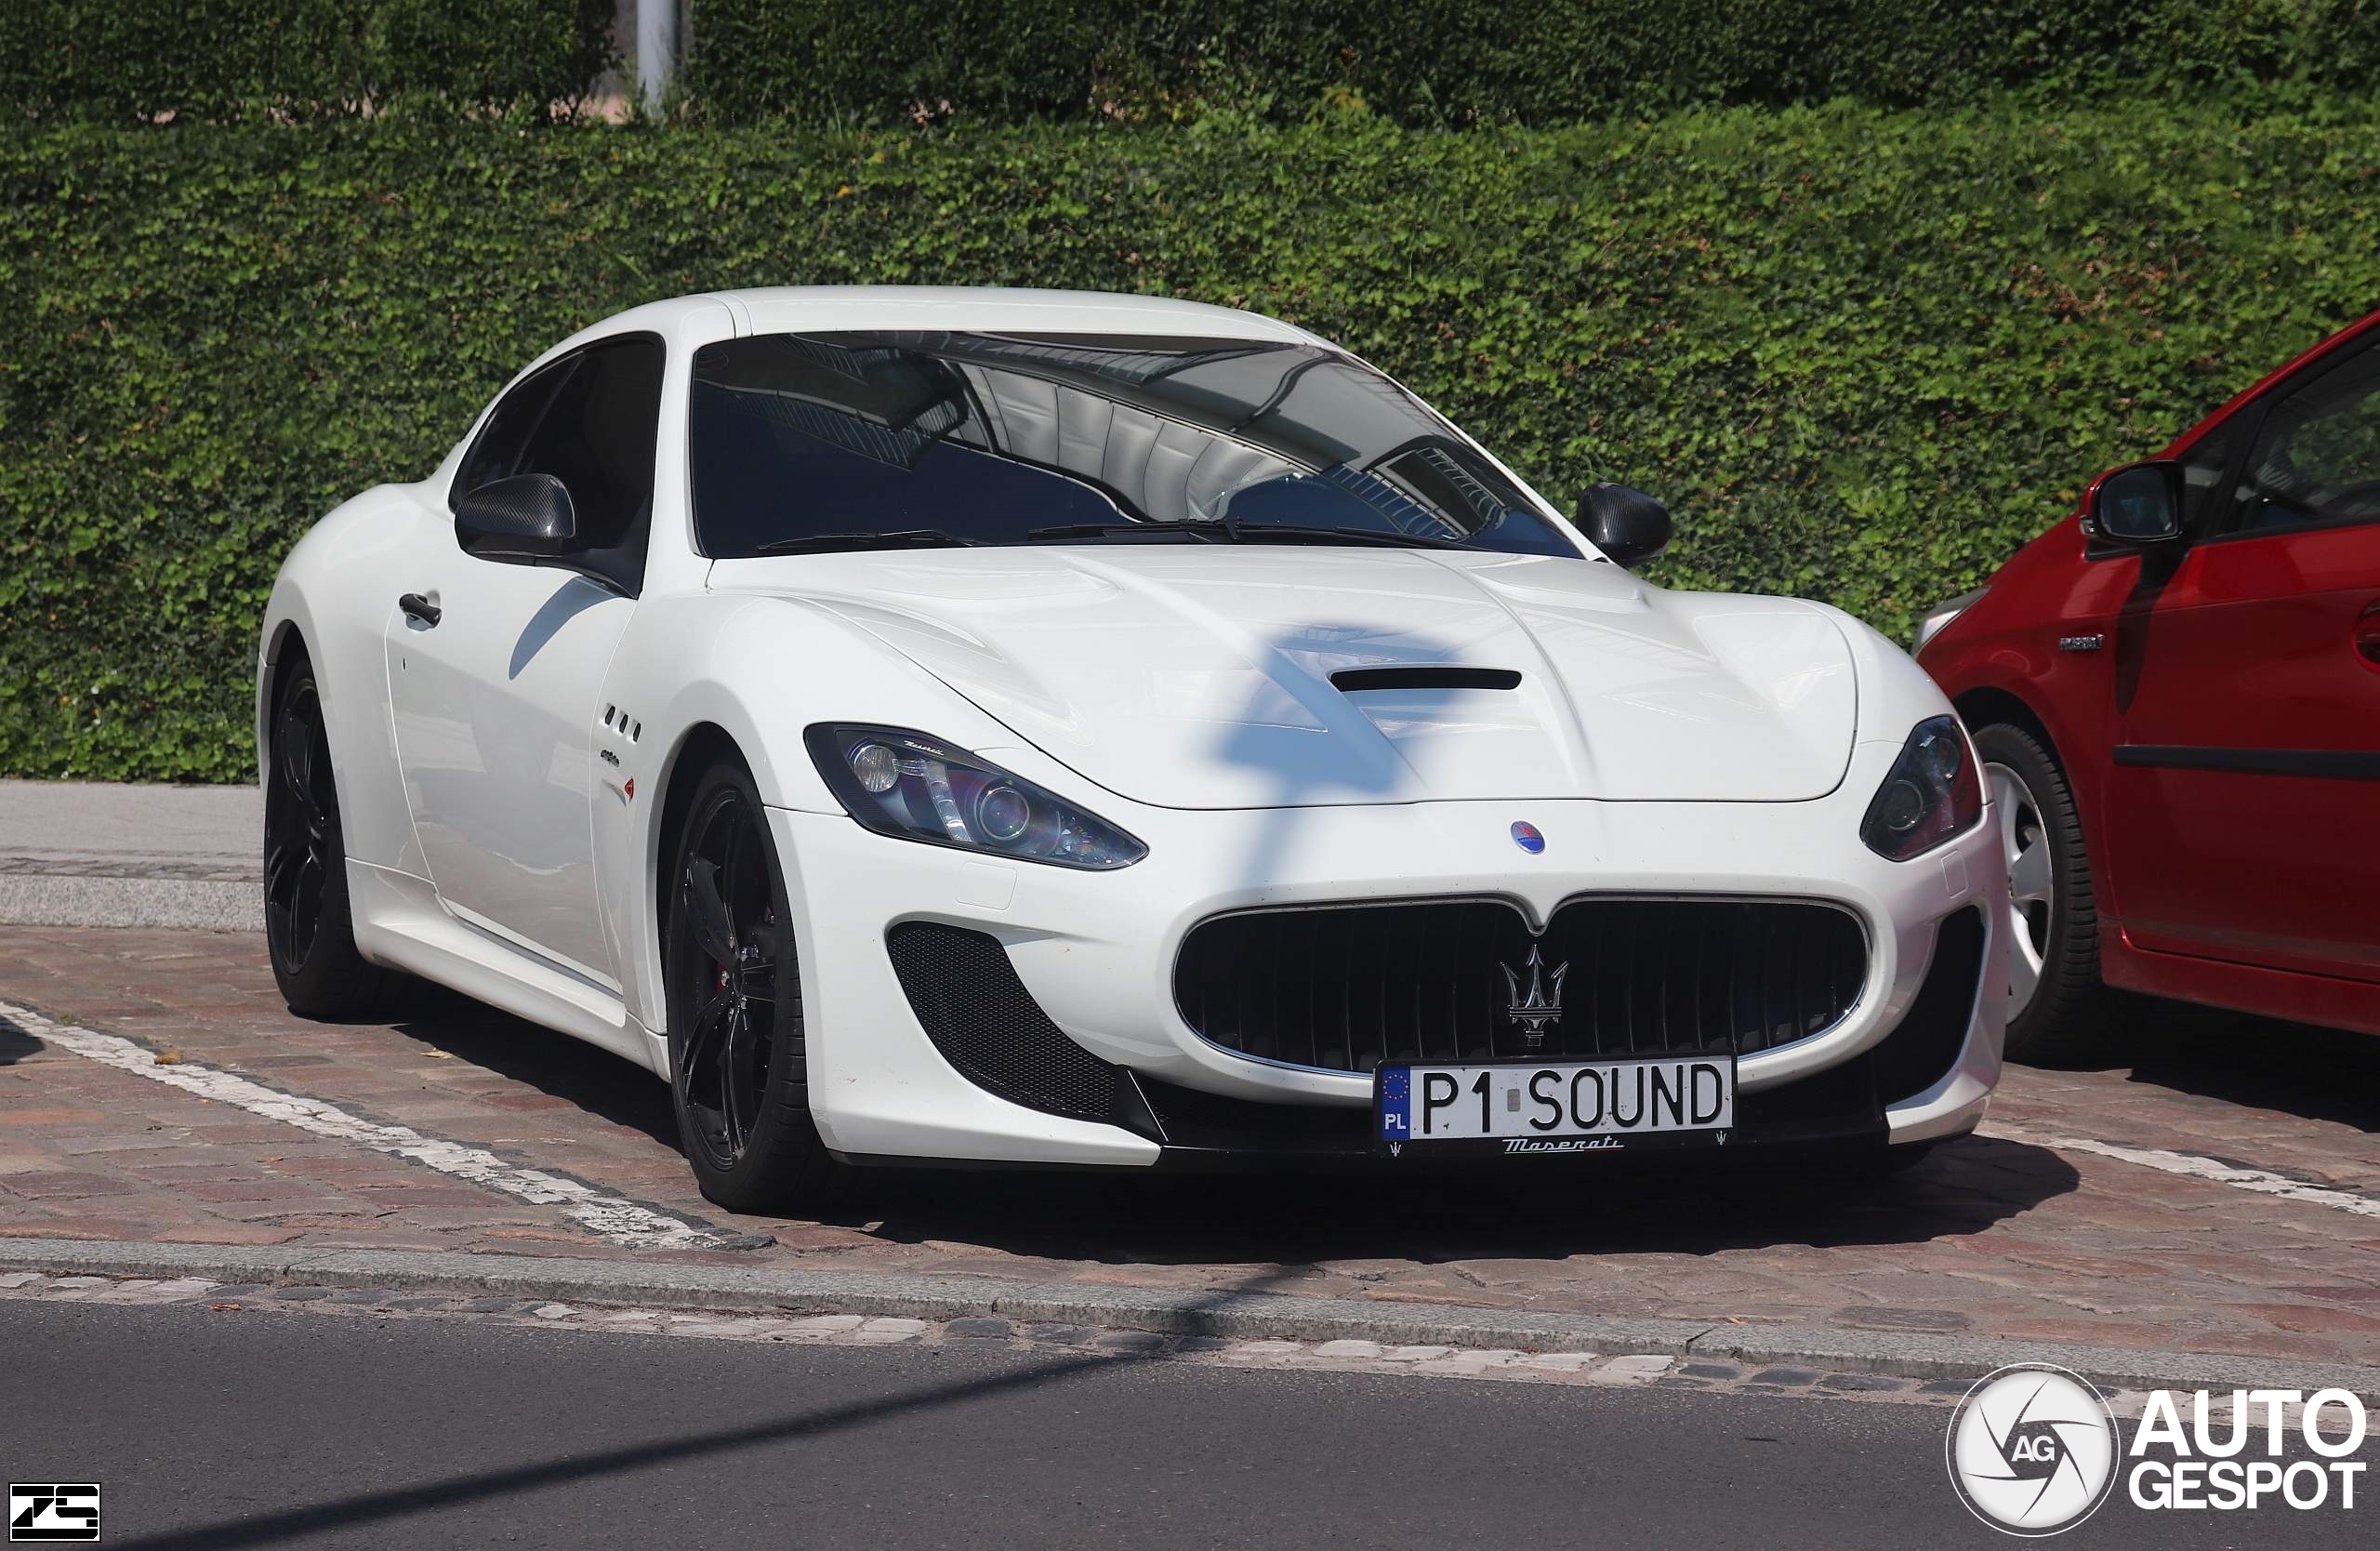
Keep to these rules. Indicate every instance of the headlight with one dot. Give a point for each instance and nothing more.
(910, 785)
(1937, 621)
(1931, 793)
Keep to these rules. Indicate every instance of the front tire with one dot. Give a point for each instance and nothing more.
(309, 929)
(2057, 1008)
(738, 1074)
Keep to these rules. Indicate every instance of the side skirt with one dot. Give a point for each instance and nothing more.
(399, 921)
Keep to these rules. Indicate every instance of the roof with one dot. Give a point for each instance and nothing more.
(788, 309)
(929, 309)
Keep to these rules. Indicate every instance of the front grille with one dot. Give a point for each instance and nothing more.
(979, 1014)
(1348, 987)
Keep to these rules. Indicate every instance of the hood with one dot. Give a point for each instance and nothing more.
(1196, 676)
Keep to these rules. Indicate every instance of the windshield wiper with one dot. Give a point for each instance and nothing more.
(1208, 529)
(1225, 530)
(1288, 533)
(906, 538)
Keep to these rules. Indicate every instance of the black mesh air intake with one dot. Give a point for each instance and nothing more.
(986, 1024)
(1347, 988)
(1916, 1055)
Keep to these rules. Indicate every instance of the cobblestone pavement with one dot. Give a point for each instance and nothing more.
(2041, 1228)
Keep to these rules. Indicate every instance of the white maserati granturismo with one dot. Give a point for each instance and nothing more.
(1057, 729)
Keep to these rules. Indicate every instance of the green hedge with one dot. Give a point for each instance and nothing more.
(128, 59)
(1428, 62)
(1863, 355)
(1447, 62)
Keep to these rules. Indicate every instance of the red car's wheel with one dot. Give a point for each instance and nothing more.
(2057, 1010)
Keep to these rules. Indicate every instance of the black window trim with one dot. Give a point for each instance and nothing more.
(555, 370)
(572, 357)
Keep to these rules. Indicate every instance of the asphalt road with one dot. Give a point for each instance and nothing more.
(261, 1429)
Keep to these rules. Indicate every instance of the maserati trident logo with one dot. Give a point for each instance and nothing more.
(1537, 1007)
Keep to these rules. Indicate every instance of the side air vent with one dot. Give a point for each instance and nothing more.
(979, 1014)
(1354, 681)
(1920, 1051)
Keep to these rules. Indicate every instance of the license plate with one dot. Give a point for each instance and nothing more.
(1559, 1105)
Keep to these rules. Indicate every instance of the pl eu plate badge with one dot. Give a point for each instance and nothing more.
(1395, 1098)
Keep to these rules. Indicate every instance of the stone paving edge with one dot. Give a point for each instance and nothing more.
(1224, 1313)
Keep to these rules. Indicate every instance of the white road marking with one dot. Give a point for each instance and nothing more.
(616, 1221)
(2261, 1181)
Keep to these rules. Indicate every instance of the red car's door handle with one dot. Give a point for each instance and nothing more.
(2367, 635)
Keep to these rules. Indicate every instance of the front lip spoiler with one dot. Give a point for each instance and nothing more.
(1336, 1139)
(1629, 1162)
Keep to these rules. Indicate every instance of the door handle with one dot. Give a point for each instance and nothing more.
(416, 606)
(2367, 635)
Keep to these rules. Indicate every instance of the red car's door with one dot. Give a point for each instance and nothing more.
(2245, 819)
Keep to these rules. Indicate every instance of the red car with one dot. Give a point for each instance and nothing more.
(2175, 696)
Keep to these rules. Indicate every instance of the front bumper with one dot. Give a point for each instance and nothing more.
(1096, 952)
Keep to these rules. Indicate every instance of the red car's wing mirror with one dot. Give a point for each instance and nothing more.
(2139, 506)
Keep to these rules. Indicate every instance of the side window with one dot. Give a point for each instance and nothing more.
(593, 427)
(497, 453)
(2316, 457)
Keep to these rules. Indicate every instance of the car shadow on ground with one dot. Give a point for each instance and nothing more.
(1542, 1208)
(15, 1044)
(2294, 1068)
(556, 1065)
(1523, 1213)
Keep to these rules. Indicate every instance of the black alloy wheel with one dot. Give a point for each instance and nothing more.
(307, 928)
(737, 1047)
(296, 828)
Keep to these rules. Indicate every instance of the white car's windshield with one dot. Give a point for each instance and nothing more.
(856, 440)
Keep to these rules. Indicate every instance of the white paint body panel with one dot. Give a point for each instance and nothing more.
(1199, 677)
(1664, 742)
(494, 735)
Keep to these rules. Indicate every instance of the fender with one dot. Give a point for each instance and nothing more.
(333, 594)
(760, 668)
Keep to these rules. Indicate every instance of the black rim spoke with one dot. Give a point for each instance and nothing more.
(726, 974)
(298, 804)
(714, 931)
(734, 1082)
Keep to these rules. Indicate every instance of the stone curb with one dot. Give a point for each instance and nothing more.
(179, 904)
(658, 1284)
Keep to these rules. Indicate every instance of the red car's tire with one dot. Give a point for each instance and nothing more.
(2058, 1009)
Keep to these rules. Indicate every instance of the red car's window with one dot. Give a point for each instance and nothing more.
(2317, 455)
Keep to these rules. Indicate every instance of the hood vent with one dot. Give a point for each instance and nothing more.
(1354, 681)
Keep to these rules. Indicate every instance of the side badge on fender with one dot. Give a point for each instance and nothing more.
(628, 788)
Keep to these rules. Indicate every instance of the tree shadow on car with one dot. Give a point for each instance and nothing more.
(1302, 1219)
